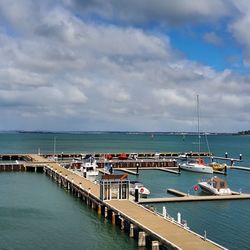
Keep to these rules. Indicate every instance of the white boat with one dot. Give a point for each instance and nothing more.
(89, 170)
(143, 191)
(86, 168)
(198, 165)
(215, 186)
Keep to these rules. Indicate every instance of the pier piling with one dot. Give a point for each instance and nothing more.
(131, 230)
(155, 245)
(113, 218)
(142, 239)
(105, 212)
(122, 223)
(99, 209)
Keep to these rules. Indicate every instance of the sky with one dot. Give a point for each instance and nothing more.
(115, 65)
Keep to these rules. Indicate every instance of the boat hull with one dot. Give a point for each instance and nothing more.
(198, 168)
(206, 188)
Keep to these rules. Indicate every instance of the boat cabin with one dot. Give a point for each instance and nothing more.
(218, 183)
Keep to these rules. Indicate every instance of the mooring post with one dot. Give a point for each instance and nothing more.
(179, 218)
(142, 239)
(136, 194)
(164, 212)
(225, 169)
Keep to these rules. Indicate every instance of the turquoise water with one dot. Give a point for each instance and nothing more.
(49, 217)
(35, 213)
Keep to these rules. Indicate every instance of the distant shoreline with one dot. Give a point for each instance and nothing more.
(119, 132)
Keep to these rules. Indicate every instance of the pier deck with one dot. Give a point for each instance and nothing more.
(160, 227)
(193, 198)
(173, 235)
(240, 168)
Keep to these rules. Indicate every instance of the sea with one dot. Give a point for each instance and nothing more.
(35, 213)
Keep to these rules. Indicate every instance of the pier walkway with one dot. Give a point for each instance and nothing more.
(171, 233)
(195, 198)
(168, 233)
(187, 197)
(240, 168)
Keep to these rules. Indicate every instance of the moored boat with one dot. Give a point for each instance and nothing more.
(218, 166)
(87, 168)
(123, 156)
(143, 191)
(215, 186)
(198, 166)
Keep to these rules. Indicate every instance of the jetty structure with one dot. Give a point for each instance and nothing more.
(111, 199)
(184, 197)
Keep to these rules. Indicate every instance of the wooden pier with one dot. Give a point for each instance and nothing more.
(137, 220)
(195, 198)
(240, 168)
(184, 197)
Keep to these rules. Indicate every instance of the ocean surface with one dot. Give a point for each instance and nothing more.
(37, 214)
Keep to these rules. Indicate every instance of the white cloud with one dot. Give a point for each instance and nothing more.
(63, 72)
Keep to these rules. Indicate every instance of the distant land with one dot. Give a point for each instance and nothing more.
(246, 132)
(152, 133)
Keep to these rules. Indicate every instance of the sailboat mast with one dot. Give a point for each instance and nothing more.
(198, 117)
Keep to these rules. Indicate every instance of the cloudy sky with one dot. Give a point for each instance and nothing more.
(134, 65)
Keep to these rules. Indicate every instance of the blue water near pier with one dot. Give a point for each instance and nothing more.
(34, 210)
(35, 213)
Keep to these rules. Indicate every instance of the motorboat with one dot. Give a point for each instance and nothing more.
(86, 168)
(215, 186)
(143, 191)
(183, 156)
(89, 170)
(197, 165)
(218, 166)
(123, 156)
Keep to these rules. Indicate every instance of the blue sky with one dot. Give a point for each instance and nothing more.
(124, 65)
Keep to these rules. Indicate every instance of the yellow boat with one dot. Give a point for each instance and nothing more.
(218, 166)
